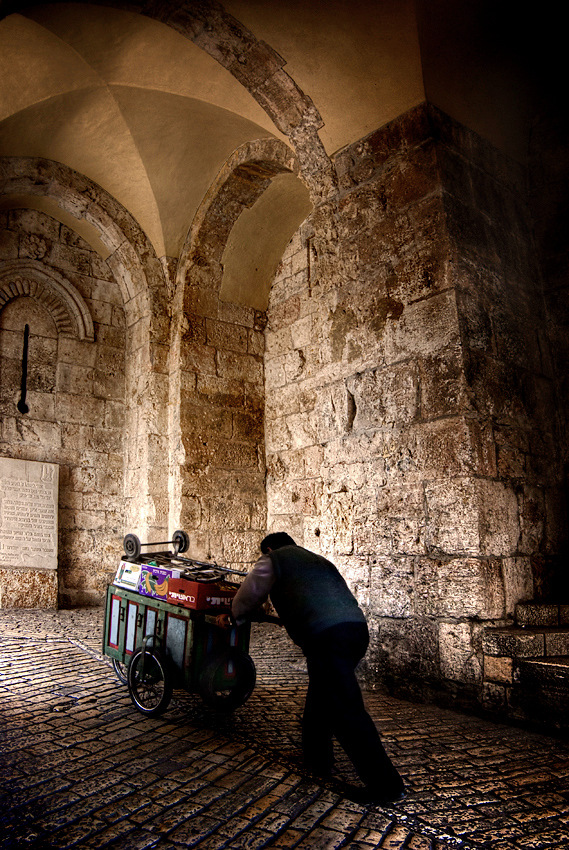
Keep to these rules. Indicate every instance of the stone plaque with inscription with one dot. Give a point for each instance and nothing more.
(28, 514)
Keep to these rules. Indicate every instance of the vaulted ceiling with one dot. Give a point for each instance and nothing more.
(147, 114)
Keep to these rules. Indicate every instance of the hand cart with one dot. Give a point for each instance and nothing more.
(162, 629)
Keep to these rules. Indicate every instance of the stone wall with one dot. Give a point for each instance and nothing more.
(217, 379)
(408, 391)
(75, 392)
(550, 211)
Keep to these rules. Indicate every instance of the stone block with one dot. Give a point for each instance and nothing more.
(392, 587)
(371, 537)
(408, 648)
(239, 367)
(452, 517)
(442, 385)
(459, 658)
(255, 343)
(28, 588)
(294, 363)
(356, 572)
(459, 587)
(301, 432)
(233, 455)
(532, 519)
(498, 669)
(226, 337)
(302, 332)
(90, 411)
(285, 313)
(114, 414)
(333, 412)
(397, 524)
(275, 375)
(336, 525)
(235, 314)
(423, 329)
(344, 476)
(518, 582)
(536, 615)
(241, 547)
(198, 358)
(384, 396)
(515, 643)
(494, 697)
(75, 379)
(42, 405)
(200, 420)
(557, 643)
(105, 291)
(473, 516)
(221, 392)
(101, 313)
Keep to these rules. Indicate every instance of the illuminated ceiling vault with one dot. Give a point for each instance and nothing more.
(149, 116)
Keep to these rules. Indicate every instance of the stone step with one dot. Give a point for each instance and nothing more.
(542, 690)
(529, 642)
(536, 614)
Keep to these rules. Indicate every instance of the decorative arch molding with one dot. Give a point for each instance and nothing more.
(132, 258)
(65, 305)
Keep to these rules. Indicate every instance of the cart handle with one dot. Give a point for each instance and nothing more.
(204, 565)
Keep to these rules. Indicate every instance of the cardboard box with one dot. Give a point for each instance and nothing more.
(201, 595)
(154, 581)
(128, 576)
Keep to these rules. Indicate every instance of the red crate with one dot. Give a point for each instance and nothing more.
(201, 595)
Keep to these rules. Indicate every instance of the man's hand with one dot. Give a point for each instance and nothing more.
(223, 621)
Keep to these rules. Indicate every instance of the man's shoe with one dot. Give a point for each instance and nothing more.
(322, 771)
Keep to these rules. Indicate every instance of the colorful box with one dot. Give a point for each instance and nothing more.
(154, 581)
(128, 576)
(201, 595)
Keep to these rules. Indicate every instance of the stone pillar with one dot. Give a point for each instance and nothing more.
(408, 391)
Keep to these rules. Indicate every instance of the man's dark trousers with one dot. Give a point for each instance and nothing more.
(335, 707)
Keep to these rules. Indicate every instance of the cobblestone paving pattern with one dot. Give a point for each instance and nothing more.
(81, 768)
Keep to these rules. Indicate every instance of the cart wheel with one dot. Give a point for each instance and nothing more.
(181, 540)
(227, 679)
(149, 682)
(121, 671)
(131, 545)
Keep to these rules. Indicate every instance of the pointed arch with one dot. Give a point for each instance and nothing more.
(255, 65)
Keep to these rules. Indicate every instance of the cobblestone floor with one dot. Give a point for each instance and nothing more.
(81, 768)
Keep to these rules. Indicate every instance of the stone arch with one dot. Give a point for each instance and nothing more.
(217, 482)
(131, 257)
(240, 183)
(53, 291)
(145, 295)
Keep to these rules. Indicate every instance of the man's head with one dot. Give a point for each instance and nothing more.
(275, 541)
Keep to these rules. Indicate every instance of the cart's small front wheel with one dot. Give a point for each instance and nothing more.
(149, 682)
(227, 679)
(120, 671)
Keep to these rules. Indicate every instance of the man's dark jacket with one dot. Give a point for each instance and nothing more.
(309, 594)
